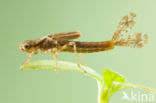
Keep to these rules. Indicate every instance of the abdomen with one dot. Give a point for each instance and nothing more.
(91, 47)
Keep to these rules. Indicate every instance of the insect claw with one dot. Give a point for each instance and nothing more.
(84, 71)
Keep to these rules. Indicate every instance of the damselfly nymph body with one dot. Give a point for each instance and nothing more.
(62, 42)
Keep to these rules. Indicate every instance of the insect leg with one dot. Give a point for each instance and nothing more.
(76, 56)
(54, 53)
(29, 58)
(82, 59)
(75, 51)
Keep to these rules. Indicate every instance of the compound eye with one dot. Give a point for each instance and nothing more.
(26, 46)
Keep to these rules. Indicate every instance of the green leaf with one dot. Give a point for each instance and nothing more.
(112, 83)
(111, 77)
(115, 82)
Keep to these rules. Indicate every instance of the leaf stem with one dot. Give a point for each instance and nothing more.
(128, 85)
(49, 64)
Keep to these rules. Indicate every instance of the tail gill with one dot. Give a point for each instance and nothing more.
(136, 40)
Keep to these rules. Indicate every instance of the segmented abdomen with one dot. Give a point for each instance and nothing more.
(90, 47)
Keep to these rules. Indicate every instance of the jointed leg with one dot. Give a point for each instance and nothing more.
(83, 62)
(29, 58)
(75, 51)
(76, 56)
(54, 53)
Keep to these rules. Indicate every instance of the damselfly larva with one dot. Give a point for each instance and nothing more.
(62, 42)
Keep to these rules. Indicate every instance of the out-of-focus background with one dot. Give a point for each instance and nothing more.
(97, 20)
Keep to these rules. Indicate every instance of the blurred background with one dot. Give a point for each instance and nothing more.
(97, 20)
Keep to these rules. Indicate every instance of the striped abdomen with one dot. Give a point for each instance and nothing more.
(90, 47)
